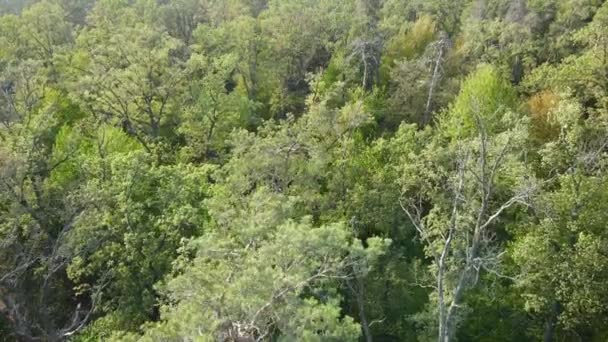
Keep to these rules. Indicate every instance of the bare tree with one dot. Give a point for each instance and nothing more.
(466, 246)
(368, 48)
(440, 47)
(368, 51)
(35, 246)
(29, 278)
(357, 288)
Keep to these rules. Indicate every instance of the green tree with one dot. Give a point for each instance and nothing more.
(142, 212)
(215, 110)
(37, 214)
(280, 282)
(561, 252)
(124, 70)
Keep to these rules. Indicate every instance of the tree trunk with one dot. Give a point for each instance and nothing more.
(358, 290)
(550, 325)
(434, 79)
(362, 316)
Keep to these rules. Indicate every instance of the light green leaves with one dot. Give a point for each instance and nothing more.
(485, 98)
(283, 284)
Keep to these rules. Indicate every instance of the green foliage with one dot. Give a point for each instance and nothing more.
(142, 212)
(303, 170)
(485, 96)
(280, 281)
(569, 236)
(44, 31)
(214, 111)
(409, 43)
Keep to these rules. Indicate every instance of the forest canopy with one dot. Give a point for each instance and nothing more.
(303, 170)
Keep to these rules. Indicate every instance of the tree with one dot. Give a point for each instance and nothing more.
(367, 44)
(583, 73)
(300, 35)
(455, 191)
(234, 170)
(127, 75)
(485, 95)
(37, 216)
(214, 111)
(182, 17)
(142, 212)
(561, 251)
(280, 283)
(45, 30)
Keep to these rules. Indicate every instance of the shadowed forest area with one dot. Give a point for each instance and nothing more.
(303, 170)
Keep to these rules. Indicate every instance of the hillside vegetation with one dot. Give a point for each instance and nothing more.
(303, 170)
